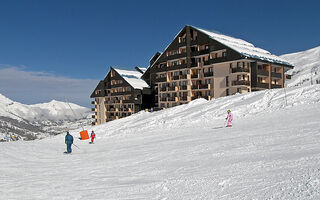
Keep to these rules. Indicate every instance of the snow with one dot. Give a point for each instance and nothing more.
(245, 48)
(304, 62)
(271, 152)
(133, 78)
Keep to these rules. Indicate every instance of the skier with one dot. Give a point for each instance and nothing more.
(229, 118)
(93, 135)
(69, 142)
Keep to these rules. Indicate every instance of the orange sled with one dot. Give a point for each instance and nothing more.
(84, 135)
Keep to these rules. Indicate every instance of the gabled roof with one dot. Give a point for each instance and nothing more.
(99, 87)
(132, 77)
(244, 48)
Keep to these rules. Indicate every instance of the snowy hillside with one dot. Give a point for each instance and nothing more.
(271, 152)
(304, 62)
(39, 120)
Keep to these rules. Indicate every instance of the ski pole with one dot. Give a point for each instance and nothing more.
(76, 146)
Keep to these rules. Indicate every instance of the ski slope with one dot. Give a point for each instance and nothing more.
(306, 67)
(271, 152)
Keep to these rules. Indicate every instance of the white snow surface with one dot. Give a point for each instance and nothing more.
(133, 78)
(271, 152)
(245, 48)
(52, 111)
(303, 62)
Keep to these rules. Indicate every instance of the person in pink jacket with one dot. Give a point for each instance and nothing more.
(229, 118)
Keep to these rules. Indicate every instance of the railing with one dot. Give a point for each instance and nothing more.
(175, 77)
(183, 87)
(194, 75)
(93, 116)
(236, 70)
(262, 72)
(263, 85)
(241, 82)
(171, 99)
(207, 74)
(184, 76)
(172, 88)
(195, 97)
(93, 109)
(194, 65)
(163, 99)
(163, 89)
(175, 56)
(92, 102)
(200, 86)
(275, 75)
(206, 62)
(162, 79)
(276, 86)
(183, 98)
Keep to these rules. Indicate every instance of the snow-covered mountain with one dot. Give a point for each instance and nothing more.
(304, 62)
(39, 120)
(271, 152)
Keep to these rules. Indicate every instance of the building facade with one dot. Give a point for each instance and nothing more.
(120, 94)
(203, 64)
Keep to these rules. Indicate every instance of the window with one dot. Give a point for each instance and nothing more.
(208, 81)
(207, 93)
(224, 54)
(230, 65)
(206, 47)
(227, 92)
(238, 64)
(227, 81)
(211, 69)
(239, 90)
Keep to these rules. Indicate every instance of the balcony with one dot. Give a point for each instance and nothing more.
(194, 65)
(240, 70)
(172, 88)
(208, 74)
(176, 56)
(195, 97)
(174, 67)
(162, 79)
(241, 82)
(92, 102)
(171, 99)
(200, 86)
(183, 98)
(93, 109)
(201, 52)
(184, 76)
(262, 72)
(93, 123)
(263, 85)
(206, 62)
(175, 77)
(183, 87)
(194, 75)
(275, 75)
(163, 99)
(93, 116)
(163, 89)
(276, 86)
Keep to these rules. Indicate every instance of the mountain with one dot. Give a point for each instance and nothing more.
(304, 62)
(185, 152)
(39, 120)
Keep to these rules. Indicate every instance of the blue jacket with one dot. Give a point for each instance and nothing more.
(69, 139)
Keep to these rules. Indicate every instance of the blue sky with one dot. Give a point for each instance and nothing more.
(77, 39)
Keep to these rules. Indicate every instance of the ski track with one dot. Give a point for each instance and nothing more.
(271, 152)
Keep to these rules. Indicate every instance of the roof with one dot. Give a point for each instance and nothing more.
(243, 47)
(132, 77)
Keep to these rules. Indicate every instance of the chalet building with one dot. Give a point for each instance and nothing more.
(204, 64)
(120, 94)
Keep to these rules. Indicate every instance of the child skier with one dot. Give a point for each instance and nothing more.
(93, 135)
(229, 118)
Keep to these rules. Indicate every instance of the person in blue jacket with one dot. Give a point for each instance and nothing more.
(69, 142)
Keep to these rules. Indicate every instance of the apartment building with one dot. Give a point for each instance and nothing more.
(205, 64)
(120, 94)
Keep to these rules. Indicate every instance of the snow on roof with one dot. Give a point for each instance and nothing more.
(133, 78)
(143, 69)
(244, 48)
